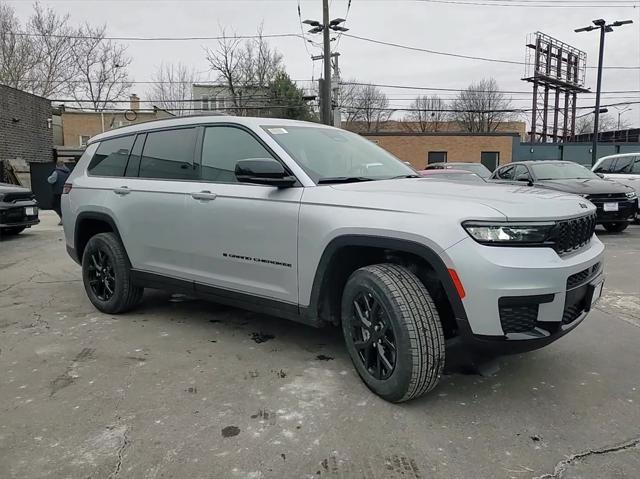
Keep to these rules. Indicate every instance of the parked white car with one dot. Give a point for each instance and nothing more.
(624, 168)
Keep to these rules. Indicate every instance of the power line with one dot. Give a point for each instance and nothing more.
(407, 87)
(459, 55)
(155, 39)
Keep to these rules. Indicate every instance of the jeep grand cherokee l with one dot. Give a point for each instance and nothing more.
(321, 226)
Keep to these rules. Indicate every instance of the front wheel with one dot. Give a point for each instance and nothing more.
(616, 227)
(106, 273)
(392, 331)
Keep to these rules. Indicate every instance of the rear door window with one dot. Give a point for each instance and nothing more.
(134, 159)
(168, 154)
(110, 159)
(622, 165)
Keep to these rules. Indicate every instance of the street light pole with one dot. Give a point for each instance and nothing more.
(326, 94)
(324, 27)
(596, 118)
(604, 28)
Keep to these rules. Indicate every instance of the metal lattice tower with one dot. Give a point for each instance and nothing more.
(557, 71)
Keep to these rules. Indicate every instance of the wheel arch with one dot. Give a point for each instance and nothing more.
(89, 224)
(344, 254)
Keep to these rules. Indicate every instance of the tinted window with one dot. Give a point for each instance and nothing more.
(134, 158)
(223, 147)
(605, 166)
(622, 165)
(169, 154)
(635, 168)
(506, 173)
(521, 173)
(111, 157)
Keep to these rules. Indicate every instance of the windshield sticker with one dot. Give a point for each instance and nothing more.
(277, 131)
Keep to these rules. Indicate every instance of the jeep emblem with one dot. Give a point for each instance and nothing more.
(582, 205)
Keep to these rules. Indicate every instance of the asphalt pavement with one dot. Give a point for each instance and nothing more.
(182, 388)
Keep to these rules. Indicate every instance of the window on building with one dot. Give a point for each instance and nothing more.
(436, 157)
(490, 159)
(110, 159)
(84, 139)
(204, 100)
(223, 147)
(169, 154)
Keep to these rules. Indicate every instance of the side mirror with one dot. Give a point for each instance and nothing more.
(263, 171)
(600, 175)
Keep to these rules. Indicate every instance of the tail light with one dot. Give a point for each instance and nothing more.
(67, 188)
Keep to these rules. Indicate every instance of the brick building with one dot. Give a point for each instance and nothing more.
(79, 126)
(25, 128)
(491, 149)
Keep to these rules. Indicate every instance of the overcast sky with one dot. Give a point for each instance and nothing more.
(489, 31)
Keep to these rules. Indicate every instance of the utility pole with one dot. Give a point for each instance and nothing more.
(604, 29)
(335, 81)
(324, 27)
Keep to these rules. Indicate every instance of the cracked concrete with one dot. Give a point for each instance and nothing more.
(178, 388)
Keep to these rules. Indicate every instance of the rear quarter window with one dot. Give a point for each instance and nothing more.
(110, 159)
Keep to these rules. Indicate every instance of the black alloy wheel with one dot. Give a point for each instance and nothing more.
(372, 335)
(102, 279)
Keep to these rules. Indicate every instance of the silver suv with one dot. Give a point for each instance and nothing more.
(319, 225)
(623, 168)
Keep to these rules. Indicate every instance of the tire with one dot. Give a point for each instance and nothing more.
(16, 230)
(106, 273)
(407, 317)
(616, 227)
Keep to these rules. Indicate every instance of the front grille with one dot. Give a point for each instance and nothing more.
(13, 197)
(579, 278)
(518, 319)
(13, 215)
(573, 234)
(606, 197)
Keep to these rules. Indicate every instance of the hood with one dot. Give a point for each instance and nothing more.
(468, 200)
(7, 188)
(585, 187)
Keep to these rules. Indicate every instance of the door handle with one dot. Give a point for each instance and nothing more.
(204, 196)
(123, 190)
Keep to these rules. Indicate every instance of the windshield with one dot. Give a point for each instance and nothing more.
(477, 168)
(562, 171)
(327, 154)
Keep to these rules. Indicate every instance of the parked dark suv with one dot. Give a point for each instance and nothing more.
(18, 209)
(616, 203)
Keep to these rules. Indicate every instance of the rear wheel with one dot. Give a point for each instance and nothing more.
(616, 227)
(12, 231)
(106, 273)
(392, 331)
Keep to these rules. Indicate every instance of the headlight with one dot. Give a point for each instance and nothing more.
(509, 233)
(631, 195)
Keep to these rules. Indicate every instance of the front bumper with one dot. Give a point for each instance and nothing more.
(626, 211)
(16, 217)
(520, 299)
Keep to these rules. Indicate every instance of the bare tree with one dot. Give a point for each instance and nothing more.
(55, 43)
(347, 100)
(365, 104)
(482, 107)
(245, 68)
(428, 113)
(172, 87)
(606, 122)
(102, 69)
(17, 52)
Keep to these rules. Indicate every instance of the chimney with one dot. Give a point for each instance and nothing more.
(134, 102)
